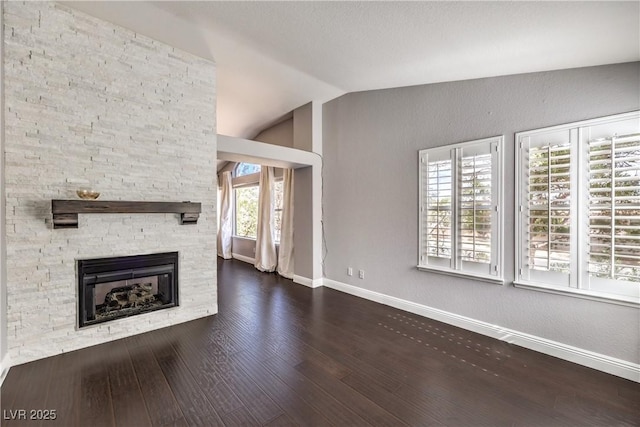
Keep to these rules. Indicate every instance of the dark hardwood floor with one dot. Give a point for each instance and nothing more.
(283, 354)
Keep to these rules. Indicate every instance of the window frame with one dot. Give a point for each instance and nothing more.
(235, 210)
(241, 180)
(577, 282)
(457, 266)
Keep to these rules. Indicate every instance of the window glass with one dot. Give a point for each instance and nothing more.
(246, 212)
(243, 169)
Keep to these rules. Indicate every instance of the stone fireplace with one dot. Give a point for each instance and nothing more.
(91, 104)
(111, 288)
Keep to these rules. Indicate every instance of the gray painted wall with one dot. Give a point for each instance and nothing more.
(302, 128)
(302, 192)
(243, 246)
(279, 134)
(370, 145)
(302, 223)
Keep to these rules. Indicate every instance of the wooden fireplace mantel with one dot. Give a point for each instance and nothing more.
(65, 212)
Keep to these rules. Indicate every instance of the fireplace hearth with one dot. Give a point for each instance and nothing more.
(112, 288)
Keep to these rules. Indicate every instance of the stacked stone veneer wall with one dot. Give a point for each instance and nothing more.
(88, 103)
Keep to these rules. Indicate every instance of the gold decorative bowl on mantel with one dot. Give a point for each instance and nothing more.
(86, 194)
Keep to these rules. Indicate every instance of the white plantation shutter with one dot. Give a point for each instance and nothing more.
(475, 209)
(578, 218)
(439, 209)
(436, 182)
(614, 210)
(545, 204)
(460, 198)
(549, 208)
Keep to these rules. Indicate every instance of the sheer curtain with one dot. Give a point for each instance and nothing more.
(225, 227)
(285, 255)
(266, 259)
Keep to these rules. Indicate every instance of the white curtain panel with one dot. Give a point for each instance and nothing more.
(285, 255)
(266, 258)
(225, 226)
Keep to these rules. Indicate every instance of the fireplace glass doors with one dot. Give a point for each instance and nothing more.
(111, 288)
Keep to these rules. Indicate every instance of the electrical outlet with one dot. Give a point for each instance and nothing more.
(349, 271)
(361, 274)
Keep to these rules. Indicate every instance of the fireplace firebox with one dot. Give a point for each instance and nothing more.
(112, 288)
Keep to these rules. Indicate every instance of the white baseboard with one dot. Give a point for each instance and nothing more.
(601, 362)
(5, 364)
(296, 279)
(307, 282)
(239, 257)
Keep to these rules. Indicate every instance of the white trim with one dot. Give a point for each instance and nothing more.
(601, 362)
(598, 120)
(461, 273)
(580, 293)
(307, 282)
(5, 365)
(239, 257)
(243, 150)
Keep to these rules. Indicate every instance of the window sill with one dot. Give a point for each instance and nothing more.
(466, 275)
(580, 293)
(252, 239)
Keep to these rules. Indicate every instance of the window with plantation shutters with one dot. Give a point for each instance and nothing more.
(460, 209)
(578, 208)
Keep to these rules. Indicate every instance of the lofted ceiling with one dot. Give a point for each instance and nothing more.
(273, 57)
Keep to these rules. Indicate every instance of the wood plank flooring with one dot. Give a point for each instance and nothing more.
(280, 354)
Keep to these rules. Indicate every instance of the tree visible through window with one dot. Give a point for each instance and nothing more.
(246, 212)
